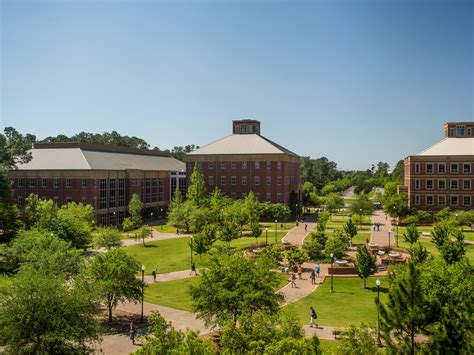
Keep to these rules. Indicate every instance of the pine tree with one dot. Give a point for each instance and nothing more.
(365, 263)
(404, 315)
(197, 189)
(412, 234)
(135, 208)
(350, 229)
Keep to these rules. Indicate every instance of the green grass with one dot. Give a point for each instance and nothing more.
(468, 234)
(348, 304)
(337, 222)
(174, 294)
(5, 283)
(174, 254)
(328, 346)
(430, 247)
(164, 228)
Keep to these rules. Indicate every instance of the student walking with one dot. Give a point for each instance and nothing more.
(193, 269)
(318, 269)
(293, 280)
(313, 318)
(133, 332)
(154, 275)
(300, 271)
(305, 227)
(313, 277)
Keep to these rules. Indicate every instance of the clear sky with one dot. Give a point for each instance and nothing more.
(358, 81)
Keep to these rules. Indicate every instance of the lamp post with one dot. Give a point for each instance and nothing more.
(266, 236)
(276, 229)
(360, 218)
(296, 213)
(115, 218)
(161, 216)
(191, 247)
(389, 241)
(332, 272)
(143, 288)
(378, 312)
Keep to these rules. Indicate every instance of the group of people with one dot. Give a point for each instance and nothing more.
(313, 275)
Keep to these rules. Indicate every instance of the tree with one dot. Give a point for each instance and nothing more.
(251, 208)
(404, 315)
(398, 173)
(365, 263)
(10, 222)
(203, 241)
(112, 275)
(323, 220)
(143, 232)
(162, 338)
(43, 314)
(41, 214)
(127, 224)
(412, 235)
(350, 229)
(181, 215)
(228, 232)
(197, 192)
(135, 208)
(74, 223)
(255, 231)
(357, 340)
(442, 235)
(295, 256)
(397, 207)
(361, 206)
(333, 202)
(232, 285)
(180, 152)
(314, 248)
(336, 244)
(274, 253)
(418, 253)
(107, 237)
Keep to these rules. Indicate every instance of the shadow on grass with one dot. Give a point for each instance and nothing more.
(150, 246)
(374, 289)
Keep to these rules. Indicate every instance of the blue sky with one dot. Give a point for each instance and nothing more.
(358, 81)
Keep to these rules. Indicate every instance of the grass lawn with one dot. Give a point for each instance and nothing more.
(348, 304)
(328, 346)
(174, 294)
(432, 248)
(174, 254)
(468, 234)
(164, 228)
(337, 222)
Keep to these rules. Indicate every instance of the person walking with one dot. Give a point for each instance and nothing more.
(313, 318)
(313, 277)
(133, 332)
(305, 227)
(300, 271)
(154, 275)
(293, 280)
(193, 269)
(318, 269)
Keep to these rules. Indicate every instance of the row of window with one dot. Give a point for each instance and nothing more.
(243, 180)
(21, 201)
(44, 183)
(233, 165)
(453, 200)
(461, 131)
(454, 184)
(453, 168)
(268, 196)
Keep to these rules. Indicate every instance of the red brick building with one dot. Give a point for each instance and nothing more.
(443, 175)
(246, 161)
(103, 176)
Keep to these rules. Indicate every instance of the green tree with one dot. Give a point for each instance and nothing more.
(181, 215)
(135, 209)
(74, 223)
(107, 237)
(412, 235)
(398, 173)
(232, 285)
(365, 263)
(10, 222)
(397, 207)
(274, 253)
(295, 256)
(350, 229)
(357, 340)
(236, 214)
(404, 315)
(314, 248)
(418, 253)
(197, 192)
(127, 224)
(251, 208)
(255, 231)
(217, 203)
(143, 232)
(228, 232)
(361, 206)
(43, 314)
(41, 214)
(449, 240)
(323, 219)
(336, 244)
(203, 241)
(112, 276)
(333, 202)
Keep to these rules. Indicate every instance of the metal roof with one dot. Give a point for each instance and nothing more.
(242, 144)
(451, 146)
(90, 159)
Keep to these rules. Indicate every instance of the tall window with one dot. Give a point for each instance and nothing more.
(467, 184)
(20, 182)
(56, 201)
(279, 200)
(244, 165)
(84, 183)
(102, 193)
(233, 180)
(56, 183)
(223, 180)
(244, 180)
(32, 182)
(278, 180)
(442, 200)
(442, 184)
(269, 180)
(147, 190)
(429, 200)
(467, 200)
(20, 202)
(222, 164)
(467, 168)
(154, 190)
(278, 164)
(112, 193)
(233, 165)
(460, 131)
(161, 189)
(269, 164)
(417, 168)
(121, 199)
(429, 184)
(454, 185)
(441, 168)
(211, 165)
(268, 196)
(417, 184)
(417, 199)
(211, 180)
(454, 200)
(44, 182)
(68, 183)
(257, 165)
(429, 168)
(257, 180)
(454, 168)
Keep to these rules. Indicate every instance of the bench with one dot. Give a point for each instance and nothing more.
(336, 332)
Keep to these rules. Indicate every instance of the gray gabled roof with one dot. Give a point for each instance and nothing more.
(242, 144)
(451, 146)
(86, 159)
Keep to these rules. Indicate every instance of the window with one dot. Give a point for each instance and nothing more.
(222, 164)
(417, 184)
(429, 184)
(454, 200)
(269, 180)
(233, 180)
(441, 168)
(84, 183)
(222, 180)
(469, 133)
(278, 180)
(269, 164)
(20, 202)
(429, 168)
(102, 193)
(68, 183)
(244, 165)
(466, 184)
(278, 164)
(243, 195)
(429, 200)
(417, 168)
(56, 201)
(244, 180)
(112, 193)
(161, 190)
(56, 182)
(210, 165)
(454, 168)
(454, 185)
(257, 180)
(460, 131)
(451, 132)
(442, 200)
(244, 128)
(233, 165)
(442, 184)
(268, 196)
(417, 199)
(121, 186)
(44, 182)
(257, 165)
(211, 180)
(467, 168)
(466, 200)
(32, 182)
(279, 197)
(20, 182)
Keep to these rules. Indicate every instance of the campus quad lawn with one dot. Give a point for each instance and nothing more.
(431, 247)
(348, 304)
(468, 234)
(337, 222)
(174, 254)
(174, 294)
